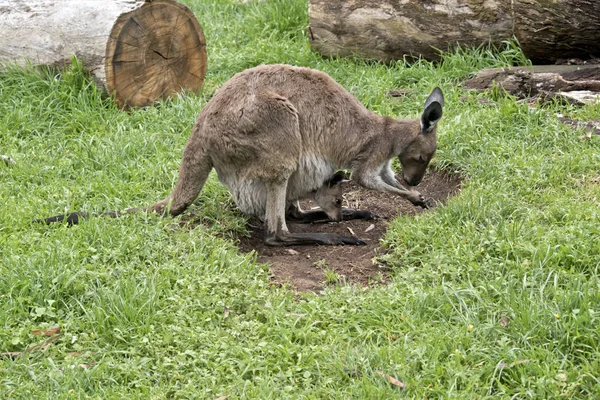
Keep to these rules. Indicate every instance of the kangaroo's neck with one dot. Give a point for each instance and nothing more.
(398, 134)
(373, 137)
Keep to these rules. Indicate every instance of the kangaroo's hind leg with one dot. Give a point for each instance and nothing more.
(277, 233)
(273, 144)
(297, 215)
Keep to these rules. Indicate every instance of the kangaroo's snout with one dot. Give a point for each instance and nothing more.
(414, 181)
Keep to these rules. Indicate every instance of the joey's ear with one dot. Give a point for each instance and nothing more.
(433, 110)
(337, 178)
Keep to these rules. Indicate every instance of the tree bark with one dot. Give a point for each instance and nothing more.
(392, 29)
(139, 51)
(561, 29)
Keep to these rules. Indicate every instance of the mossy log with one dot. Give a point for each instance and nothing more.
(390, 30)
(139, 51)
(573, 83)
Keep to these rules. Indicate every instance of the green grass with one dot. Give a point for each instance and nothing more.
(495, 295)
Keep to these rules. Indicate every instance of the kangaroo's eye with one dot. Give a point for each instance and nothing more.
(338, 201)
(421, 159)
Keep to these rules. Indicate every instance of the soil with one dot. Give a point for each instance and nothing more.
(303, 267)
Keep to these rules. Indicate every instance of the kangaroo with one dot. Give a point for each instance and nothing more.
(275, 133)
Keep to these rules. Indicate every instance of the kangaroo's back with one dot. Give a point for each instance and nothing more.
(327, 114)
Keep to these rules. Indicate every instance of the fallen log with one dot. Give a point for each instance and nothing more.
(578, 84)
(139, 51)
(390, 30)
(551, 31)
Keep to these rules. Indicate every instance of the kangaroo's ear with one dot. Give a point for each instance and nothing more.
(337, 178)
(433, 110)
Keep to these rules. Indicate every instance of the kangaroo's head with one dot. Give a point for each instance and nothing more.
(329, 196)
(416, 156)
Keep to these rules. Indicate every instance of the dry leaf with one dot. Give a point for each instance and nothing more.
(370, 228)
(45, 344)
(512, 364)
(7, 160)
(351, 231)
(49, 332)
(587, 136)
(399, 92)
(504, 321)
(222, 397)
(391, 380)
(292, 252)
(13, 355)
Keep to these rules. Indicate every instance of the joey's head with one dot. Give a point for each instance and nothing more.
(415, 157)
(329, 196)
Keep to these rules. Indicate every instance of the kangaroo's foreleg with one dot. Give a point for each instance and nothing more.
(298, 215)
(277, 233)
(384, 180)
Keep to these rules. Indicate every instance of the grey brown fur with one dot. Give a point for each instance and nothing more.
(275, 133)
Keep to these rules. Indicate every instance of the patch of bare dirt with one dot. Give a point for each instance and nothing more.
(303, 266)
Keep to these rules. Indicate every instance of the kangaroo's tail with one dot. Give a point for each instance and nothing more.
(71, 219)
(76, 217)
(195, 168)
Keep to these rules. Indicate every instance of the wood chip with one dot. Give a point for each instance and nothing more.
(370, 228)
(351, 231)
(292, 252)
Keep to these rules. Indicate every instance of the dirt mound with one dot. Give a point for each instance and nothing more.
(309, 268)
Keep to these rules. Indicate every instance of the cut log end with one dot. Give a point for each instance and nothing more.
(153, 52)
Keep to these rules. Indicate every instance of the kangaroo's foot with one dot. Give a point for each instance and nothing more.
(309, 217)
(295, 239)
(349, 214)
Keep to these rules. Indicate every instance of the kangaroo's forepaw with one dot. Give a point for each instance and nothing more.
(417, 199)
(425, 203)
